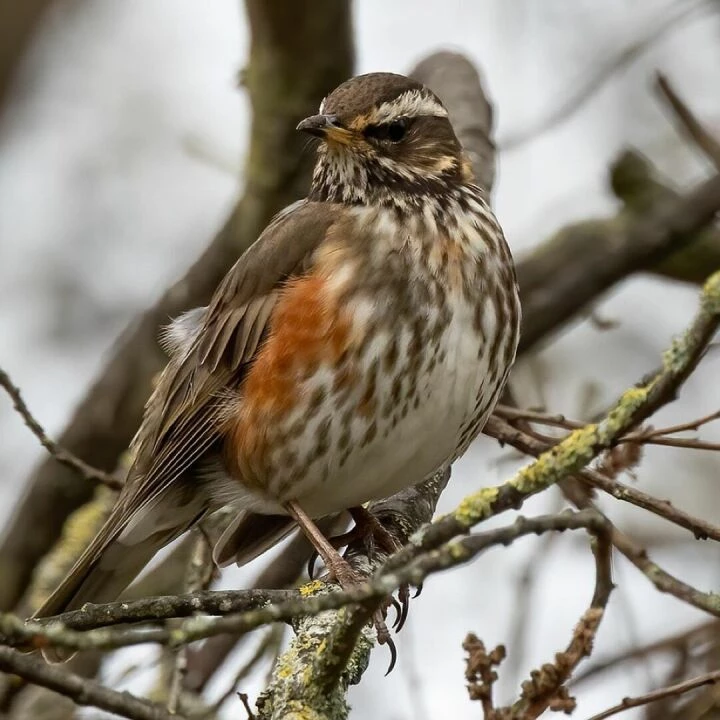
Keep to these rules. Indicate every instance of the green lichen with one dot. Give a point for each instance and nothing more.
(476, 507)
(675, 357)
(711, 294)
(575, 451)
(311, 588)
(296, 689)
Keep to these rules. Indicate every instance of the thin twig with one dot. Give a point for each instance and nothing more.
(547, 686)
(650, 436)
(672, 691)
(246, 704)
(522, 612)
(684, 427)
(81, 690)
(269, 641)
(59, 453)
(199, 576)
(703, 139)
(674, 643)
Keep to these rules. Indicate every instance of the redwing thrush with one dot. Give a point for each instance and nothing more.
(358, 346)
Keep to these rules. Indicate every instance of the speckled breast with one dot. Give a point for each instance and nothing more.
(381, 364)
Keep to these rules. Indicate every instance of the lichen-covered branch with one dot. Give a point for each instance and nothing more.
(532, 445)
(206, 602)
(664, 582)
(310, 600)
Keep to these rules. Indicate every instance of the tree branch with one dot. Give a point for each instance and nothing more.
(688, 123)
(206, 602)
(81, 690)
(87, 472)
(673, 691)
(611, 250)
(547, 686)
(311, 600)
(532, 445)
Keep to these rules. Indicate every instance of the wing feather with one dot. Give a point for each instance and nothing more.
(184, 416)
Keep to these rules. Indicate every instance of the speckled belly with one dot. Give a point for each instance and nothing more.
(388, 416)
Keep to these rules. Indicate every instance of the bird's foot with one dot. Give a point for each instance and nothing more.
(341, 570)
(376, 536)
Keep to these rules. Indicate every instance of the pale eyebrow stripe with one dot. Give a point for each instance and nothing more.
(410, 104)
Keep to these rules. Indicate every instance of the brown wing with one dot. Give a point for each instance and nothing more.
(181, 418)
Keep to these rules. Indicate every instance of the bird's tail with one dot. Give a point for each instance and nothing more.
(249, 535)
(117, 554)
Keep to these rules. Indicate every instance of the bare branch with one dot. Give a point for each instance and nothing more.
(480, 673)
(612, 249)
(81, 690)
(673, 691)
(200, 572)
(59, 453)
(688, 122)
(271, 641)
(644, 436)
(546, 687)
(207, 602)
(637, 555)
(675, 643)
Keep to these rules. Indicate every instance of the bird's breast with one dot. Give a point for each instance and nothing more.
(375, 368)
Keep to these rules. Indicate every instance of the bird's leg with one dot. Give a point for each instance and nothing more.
(340, 569)
(338, 566)
(368, 529)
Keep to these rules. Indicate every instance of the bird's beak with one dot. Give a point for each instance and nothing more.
(326, 127)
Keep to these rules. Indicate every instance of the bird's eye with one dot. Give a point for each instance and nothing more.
(393, 131)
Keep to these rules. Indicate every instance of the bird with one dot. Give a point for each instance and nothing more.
(358, 346)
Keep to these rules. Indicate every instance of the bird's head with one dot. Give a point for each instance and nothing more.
(385, 138)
